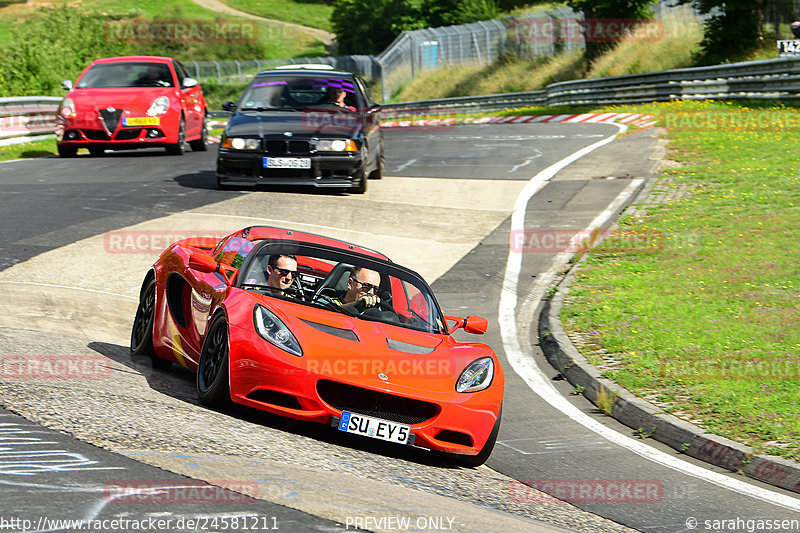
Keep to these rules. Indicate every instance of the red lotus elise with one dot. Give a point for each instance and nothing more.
(121, 103)
(322, 330)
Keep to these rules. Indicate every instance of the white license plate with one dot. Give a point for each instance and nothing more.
(287, 162)
(374, 427)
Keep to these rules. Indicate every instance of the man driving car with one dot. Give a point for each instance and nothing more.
(362, 288)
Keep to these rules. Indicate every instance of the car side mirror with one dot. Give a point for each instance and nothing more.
(471, 324)
(203, 263)
(66, 85)
(375, 108)
(228, 106)
(189, 82)
(476, 325)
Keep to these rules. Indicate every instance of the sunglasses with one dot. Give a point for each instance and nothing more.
(367, 287)
(285, 271)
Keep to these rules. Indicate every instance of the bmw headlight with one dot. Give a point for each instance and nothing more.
(477, 376)
(337, 145)
(159, 106)
(274, 331)
(239, 143)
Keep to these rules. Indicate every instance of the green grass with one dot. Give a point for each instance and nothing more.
(275, 40)
(313, 13)
(31, 149)
(718, 286)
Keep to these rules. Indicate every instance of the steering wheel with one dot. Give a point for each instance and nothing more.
(298, 289)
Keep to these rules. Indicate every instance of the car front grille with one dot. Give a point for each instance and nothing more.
(96, 135)
(281, 146)
(126, 135)
(111, 118)
(374, 403)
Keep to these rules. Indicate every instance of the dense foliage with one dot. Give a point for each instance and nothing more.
(60, 43)
(732, 30)
(369, 26)
(610, 9)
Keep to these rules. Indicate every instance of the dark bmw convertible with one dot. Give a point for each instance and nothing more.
(302, 126)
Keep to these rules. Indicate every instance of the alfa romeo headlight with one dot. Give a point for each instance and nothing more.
(477, 376)
(67, 109)
(239, 143)
(274, 331)
(159, 106)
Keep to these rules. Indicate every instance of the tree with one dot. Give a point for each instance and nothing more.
(452, 12)
(369, 26)
(732, 30)
(595, 11)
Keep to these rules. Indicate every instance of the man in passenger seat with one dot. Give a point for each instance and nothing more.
(281, 272)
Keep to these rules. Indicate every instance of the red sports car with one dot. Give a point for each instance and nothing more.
(317, 329)
(120, 103)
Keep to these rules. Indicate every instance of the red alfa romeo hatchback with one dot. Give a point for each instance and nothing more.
(120, 103)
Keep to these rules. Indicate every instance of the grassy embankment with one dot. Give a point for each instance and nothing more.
(704, 320)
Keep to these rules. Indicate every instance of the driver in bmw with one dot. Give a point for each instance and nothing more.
(361, 287)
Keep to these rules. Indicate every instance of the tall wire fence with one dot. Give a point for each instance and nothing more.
(544, 33)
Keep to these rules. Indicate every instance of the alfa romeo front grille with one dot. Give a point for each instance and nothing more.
(110, 119)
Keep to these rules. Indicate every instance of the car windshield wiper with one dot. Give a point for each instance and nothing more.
(262, 108)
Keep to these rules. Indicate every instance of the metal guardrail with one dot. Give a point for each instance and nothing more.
(772, 79)
(27, 116)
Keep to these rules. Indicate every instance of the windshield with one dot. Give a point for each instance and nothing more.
(338, 281)
(299, 92)
(126, 75)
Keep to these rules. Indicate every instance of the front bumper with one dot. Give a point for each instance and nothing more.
(328, 170)
(274, 381)
(90, 130)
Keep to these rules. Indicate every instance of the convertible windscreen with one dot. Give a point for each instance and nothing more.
(131, 74)
(323, 279)
(295, 92)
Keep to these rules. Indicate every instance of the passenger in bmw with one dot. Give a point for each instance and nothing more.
(281, 273)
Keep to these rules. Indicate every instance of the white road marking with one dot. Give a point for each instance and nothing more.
(127, 297)
(405, 165)
(527, 369)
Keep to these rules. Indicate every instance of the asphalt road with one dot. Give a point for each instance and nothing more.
(49, 203)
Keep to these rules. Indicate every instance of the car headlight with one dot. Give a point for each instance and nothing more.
(337, 145)
(239, 143)
(477, 376)
(274, 331)
(67, 108)
(159, 106)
